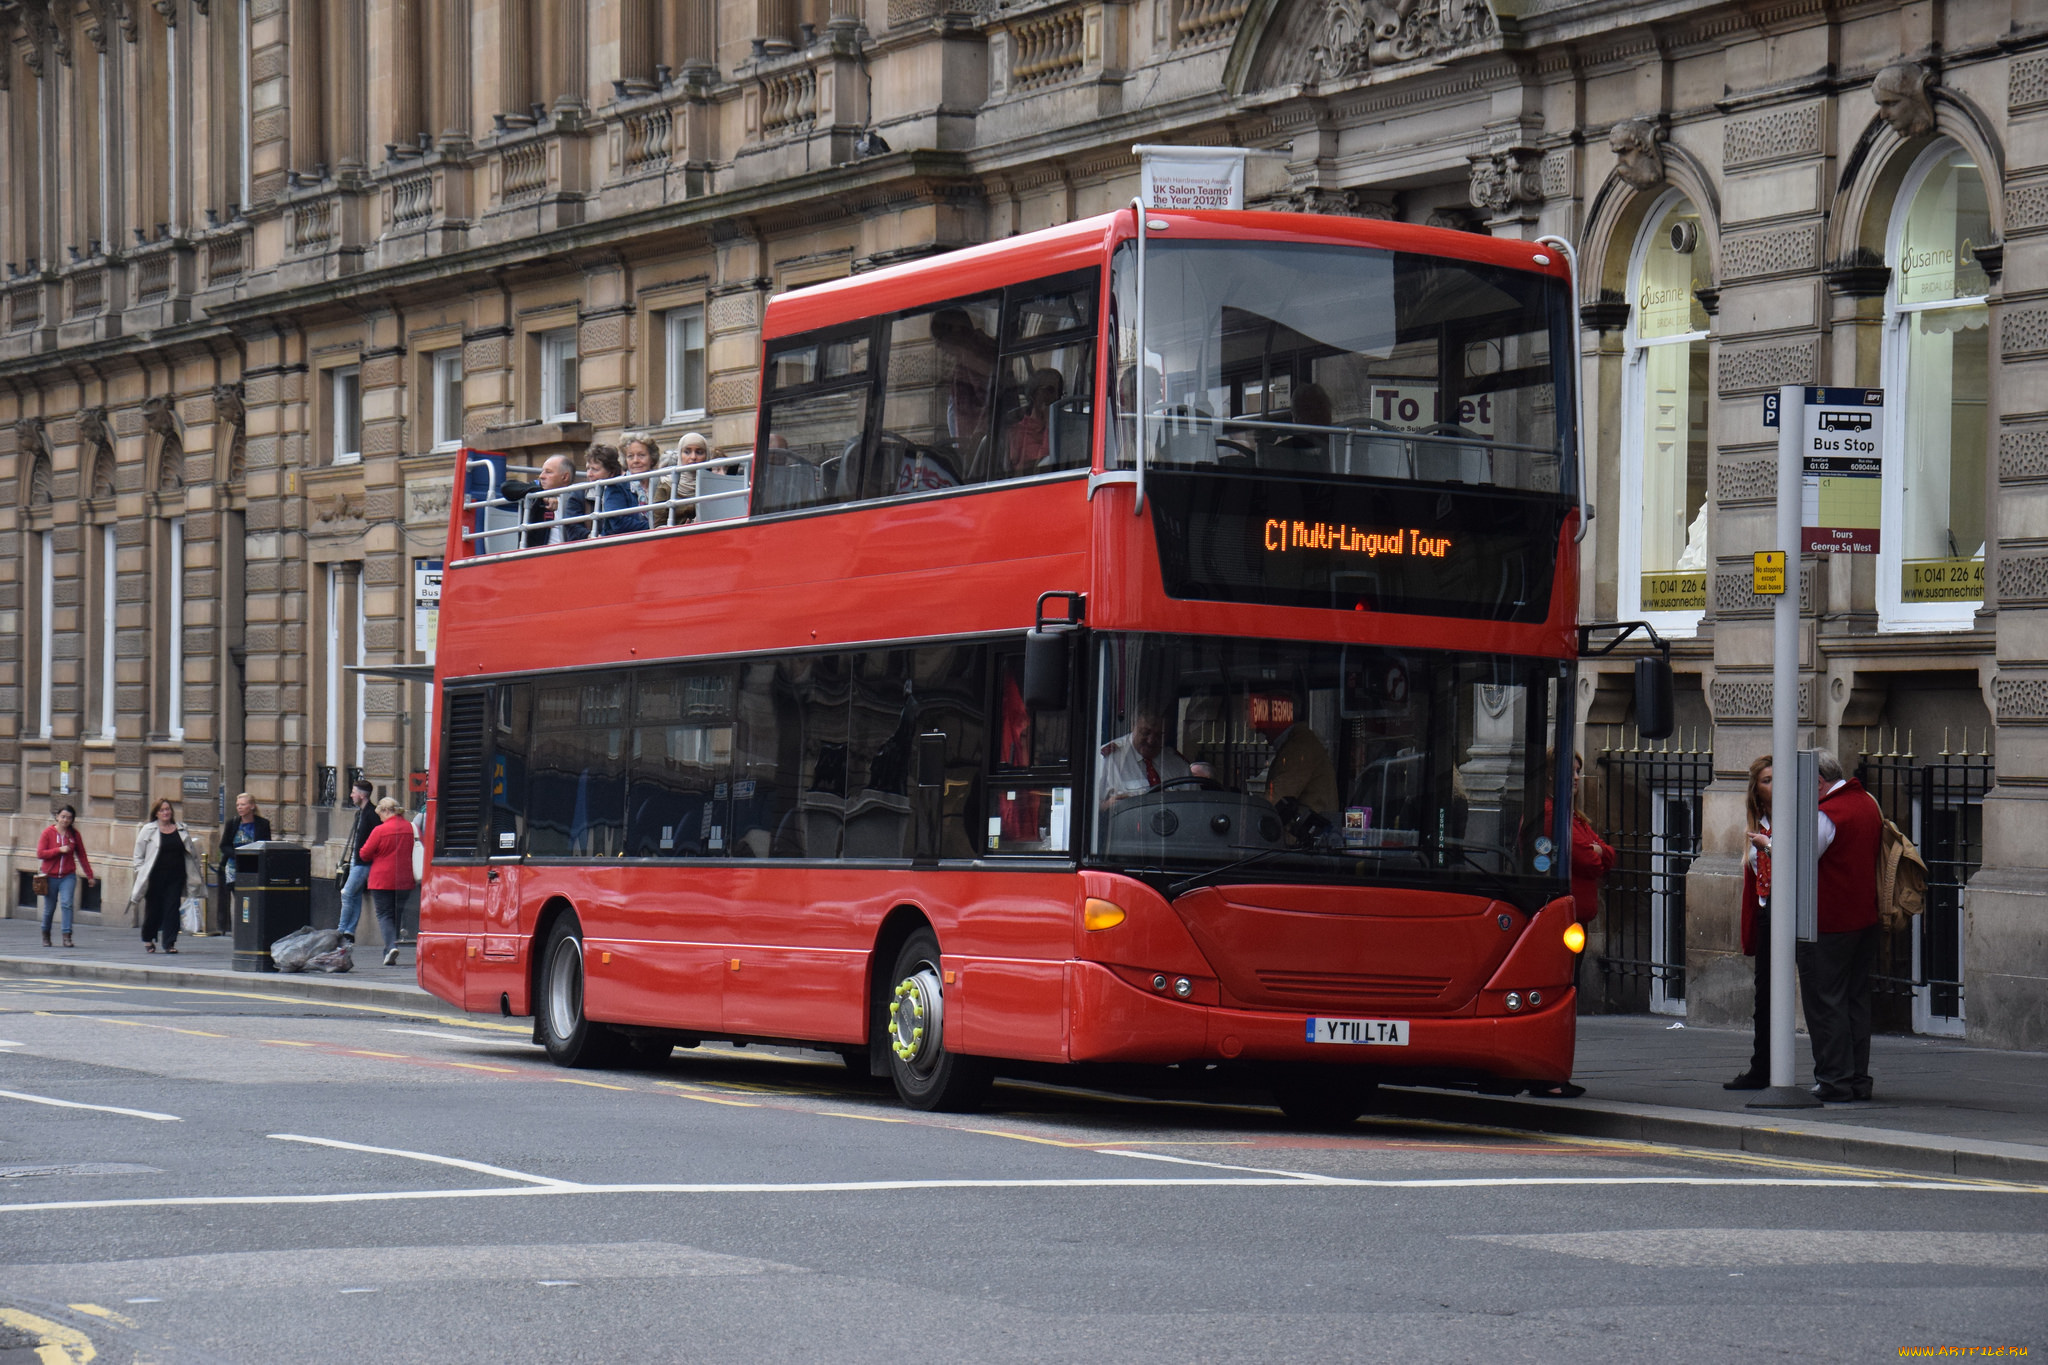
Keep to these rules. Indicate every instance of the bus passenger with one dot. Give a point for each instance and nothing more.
(1142, 760)
(639, 455)
(1301, 770)
(675, 488)
(621, 512)
(969, 358)
(1029, 440)
(1304, 449)
(540, 514)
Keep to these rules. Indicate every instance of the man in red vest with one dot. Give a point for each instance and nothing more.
(1835, 973)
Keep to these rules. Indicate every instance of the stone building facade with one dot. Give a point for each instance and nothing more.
(268, 262)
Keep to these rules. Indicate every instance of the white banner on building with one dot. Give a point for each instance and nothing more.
(1192, 177)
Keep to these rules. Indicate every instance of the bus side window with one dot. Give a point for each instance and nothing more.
(935, 405)
(1045, 394)
(576, 782)
(677, 804)
(881, 736)
(814, 424)
(951, 687)
(1030, 788)
(510, 716)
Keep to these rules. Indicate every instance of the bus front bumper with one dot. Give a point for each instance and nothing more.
(1112, 1021)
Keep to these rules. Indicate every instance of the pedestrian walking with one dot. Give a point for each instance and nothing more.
(60, 858)
(166, 871)
(245, 826)
(355, 873)
(388, 850)
(1836, 972)
(1756, 919)
(1592, 859)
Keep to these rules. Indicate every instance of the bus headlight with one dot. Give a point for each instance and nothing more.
(1101, 914)
(1575, 937)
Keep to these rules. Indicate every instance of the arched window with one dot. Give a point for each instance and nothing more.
(1937, 352)
(1663, 548)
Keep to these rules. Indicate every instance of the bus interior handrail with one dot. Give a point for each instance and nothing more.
(581, 487)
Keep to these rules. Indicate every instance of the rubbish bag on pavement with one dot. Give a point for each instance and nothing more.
(333, 960)
(292, 952)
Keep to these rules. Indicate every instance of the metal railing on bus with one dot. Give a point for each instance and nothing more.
(730, 477)
(1370, 448)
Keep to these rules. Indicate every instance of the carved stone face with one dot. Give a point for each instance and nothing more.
(1638, 162)
(1901, 94)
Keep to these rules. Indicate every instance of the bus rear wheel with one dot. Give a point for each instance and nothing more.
(571, 1039)
(912, 1021)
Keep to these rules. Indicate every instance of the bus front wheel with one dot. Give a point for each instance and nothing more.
(571, 1039)
(913, 1016)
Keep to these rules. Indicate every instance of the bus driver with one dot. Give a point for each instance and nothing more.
(1141, 760)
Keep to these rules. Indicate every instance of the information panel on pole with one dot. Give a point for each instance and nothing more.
(1841, 485)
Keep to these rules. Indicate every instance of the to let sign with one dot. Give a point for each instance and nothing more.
(1841, 488)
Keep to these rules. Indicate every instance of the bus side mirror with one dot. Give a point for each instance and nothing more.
(1045, 668)
(931, 759)
(1655, 712)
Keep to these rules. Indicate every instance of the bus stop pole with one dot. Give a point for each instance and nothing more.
(1788, 826)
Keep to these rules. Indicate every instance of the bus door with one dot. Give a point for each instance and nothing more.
(501, 908)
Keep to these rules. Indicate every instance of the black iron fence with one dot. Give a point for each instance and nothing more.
(1938, 800)
(1646, 803)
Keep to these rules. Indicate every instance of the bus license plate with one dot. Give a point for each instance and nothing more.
(1378, 1032)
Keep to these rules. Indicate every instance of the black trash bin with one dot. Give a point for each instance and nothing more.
(273, 896)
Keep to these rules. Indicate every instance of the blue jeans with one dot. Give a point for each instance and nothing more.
(352, 898)
(63, 890)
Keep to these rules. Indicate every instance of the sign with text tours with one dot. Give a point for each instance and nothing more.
(1191, 177)
(1841, 484)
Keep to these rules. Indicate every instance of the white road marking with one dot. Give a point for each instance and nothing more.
(479, 1167)
(1302, 1176)
(566, 1188)
(461, 1038)
(100, 1108)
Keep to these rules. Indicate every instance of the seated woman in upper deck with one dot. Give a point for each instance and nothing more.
(622, 509)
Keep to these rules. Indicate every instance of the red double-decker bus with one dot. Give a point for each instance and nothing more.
(1145, 642)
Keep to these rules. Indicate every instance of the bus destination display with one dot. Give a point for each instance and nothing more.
(1482, 554)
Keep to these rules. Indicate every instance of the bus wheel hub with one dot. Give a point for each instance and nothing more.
(915, 1017)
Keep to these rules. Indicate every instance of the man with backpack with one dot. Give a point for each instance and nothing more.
(1835, 973)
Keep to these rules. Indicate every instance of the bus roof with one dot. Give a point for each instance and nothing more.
(1084, 242)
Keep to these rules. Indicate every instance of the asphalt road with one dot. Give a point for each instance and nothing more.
(271, 1182)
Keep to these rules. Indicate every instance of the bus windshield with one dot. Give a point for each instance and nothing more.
(1347, 361)
(1353, 763)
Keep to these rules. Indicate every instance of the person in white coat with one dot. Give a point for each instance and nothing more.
(167, 870)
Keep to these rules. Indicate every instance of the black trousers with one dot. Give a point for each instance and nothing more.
(1760, 1051)
(1835, 981)
(160, 912)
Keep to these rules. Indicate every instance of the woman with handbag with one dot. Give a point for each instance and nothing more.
(167, 870)
(388, 851)
(61, 855)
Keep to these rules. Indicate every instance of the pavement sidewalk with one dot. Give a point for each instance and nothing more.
(1942, 1106)
(115, 953)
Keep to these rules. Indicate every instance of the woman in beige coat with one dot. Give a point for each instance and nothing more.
(167, 870)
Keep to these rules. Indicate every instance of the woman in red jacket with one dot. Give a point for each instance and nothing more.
(1756, 919)
(60, 855)
(388, 851)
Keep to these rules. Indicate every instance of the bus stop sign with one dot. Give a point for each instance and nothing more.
(1841, 485)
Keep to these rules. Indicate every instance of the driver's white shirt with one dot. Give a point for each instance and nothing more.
(1122, 772)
